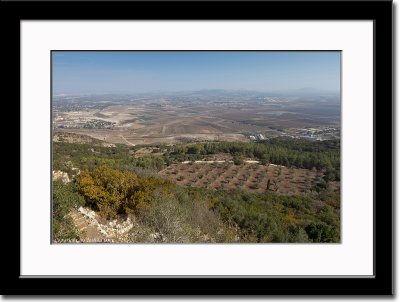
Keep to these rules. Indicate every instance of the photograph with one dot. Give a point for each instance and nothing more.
(196, 146)
(166, 152)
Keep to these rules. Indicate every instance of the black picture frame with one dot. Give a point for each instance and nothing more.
(380, 11)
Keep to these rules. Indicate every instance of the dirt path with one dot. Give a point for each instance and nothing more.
(128, 142)
(89, 233)
(220, 162)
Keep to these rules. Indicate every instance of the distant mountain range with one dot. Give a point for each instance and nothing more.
(302, 92)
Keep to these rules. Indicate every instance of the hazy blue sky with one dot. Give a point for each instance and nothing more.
(130, 72)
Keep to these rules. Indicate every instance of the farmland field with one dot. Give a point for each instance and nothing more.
(174, 120)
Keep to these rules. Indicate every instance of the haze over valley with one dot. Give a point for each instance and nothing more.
(205, 115)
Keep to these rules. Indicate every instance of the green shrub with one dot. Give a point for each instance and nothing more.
(65, 198)
(321, 232)
(237, 160)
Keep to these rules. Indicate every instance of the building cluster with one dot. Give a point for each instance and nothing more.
(313, 134)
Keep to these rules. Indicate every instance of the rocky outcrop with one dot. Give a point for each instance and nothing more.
(113, 229)
(60, 175)
(80, 139)
(157, 237)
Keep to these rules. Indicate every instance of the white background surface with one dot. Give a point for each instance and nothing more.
(353, 256)
(397, 184)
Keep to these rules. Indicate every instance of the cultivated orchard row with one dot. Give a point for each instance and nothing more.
(248, 176)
